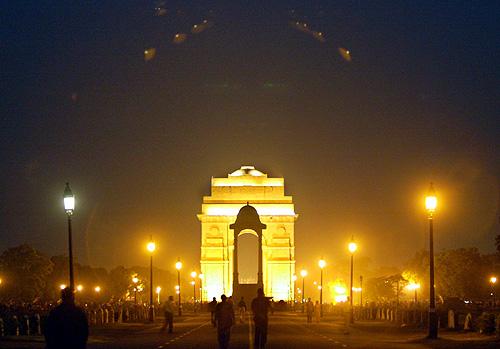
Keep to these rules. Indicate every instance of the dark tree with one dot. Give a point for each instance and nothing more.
(25, 272)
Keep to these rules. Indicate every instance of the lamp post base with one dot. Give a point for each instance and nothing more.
(433, 325)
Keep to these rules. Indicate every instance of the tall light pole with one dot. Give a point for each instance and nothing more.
(201, 276)
(493, 281)
(151, 248)
(361, 290)
(69, 207)
(135, 280)
(352, 248)
(194, 275)
(158, 291)
(430, 205)
(303, 273)
(178, 266)
(294, 279)
(321, 264)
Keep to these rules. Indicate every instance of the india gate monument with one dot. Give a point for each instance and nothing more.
(248, 207)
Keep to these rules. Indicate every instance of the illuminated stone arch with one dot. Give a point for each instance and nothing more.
(247, 218)
(219, 211)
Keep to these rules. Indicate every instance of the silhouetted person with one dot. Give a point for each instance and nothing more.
(67, 326)
(260, 308)
(309, 310)
(211, 306)
(169, 309)
(242, 307)
(317, 311)
(224, 317)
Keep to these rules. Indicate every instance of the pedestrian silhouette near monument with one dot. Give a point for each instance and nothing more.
(260, 309)
(309, 310)
(169, 309)
(317, 311)
(67, 326)
(224, 317)
(242, 307)
(211, 306)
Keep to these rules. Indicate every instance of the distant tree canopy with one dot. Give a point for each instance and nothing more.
(25, 271)
(28, 275)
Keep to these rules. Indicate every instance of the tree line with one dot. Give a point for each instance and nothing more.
(29, 275)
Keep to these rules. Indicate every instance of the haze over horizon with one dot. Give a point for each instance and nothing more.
(357, 142)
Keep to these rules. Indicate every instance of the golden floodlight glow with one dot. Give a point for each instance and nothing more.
(177, 287)
(353, 247)
(151, 246)
(493, 279)
(303, 273)
(431, 200)
(62, 286)
(79, 288)
(1, 281)
(322, 263)
(135, 279)
(97, 289)
(194, 274)
(412, 287)
(178, 265)
(158, 289)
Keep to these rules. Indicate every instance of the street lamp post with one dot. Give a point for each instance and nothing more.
(430, 205)
(321, 264)
(352, 248)
(158, 290)
(294, 279)
(493, 281)
(151, 248)
(135, 280)
(69, 207)
(201, 276)
(178, 266)
(303, 273)
(361, 290)
(194, 275)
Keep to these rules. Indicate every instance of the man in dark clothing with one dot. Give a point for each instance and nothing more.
(260, 308)
(67, 325)
(211, 306)
(224, 317)
(168, 308)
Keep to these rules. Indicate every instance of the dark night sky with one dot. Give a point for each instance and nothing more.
(357, 142)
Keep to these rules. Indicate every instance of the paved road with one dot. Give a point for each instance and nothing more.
(288, 331)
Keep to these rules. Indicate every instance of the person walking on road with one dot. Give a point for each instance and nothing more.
(242, 307)
(169, 309)
(317, 311)
(211, 306)
(309, 310)
(260, 309)
(67, 325)
(224, 317)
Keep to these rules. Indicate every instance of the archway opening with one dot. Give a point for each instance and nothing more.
(248, 257)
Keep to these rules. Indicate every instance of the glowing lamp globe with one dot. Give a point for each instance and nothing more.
(97, 289)
(431, 200)
(352, 247)
(135, 279)
(322, 263)
(69, 200)
(194, 274)
(178, 265)
(303, 273)
(493, 279)
(151, 246)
